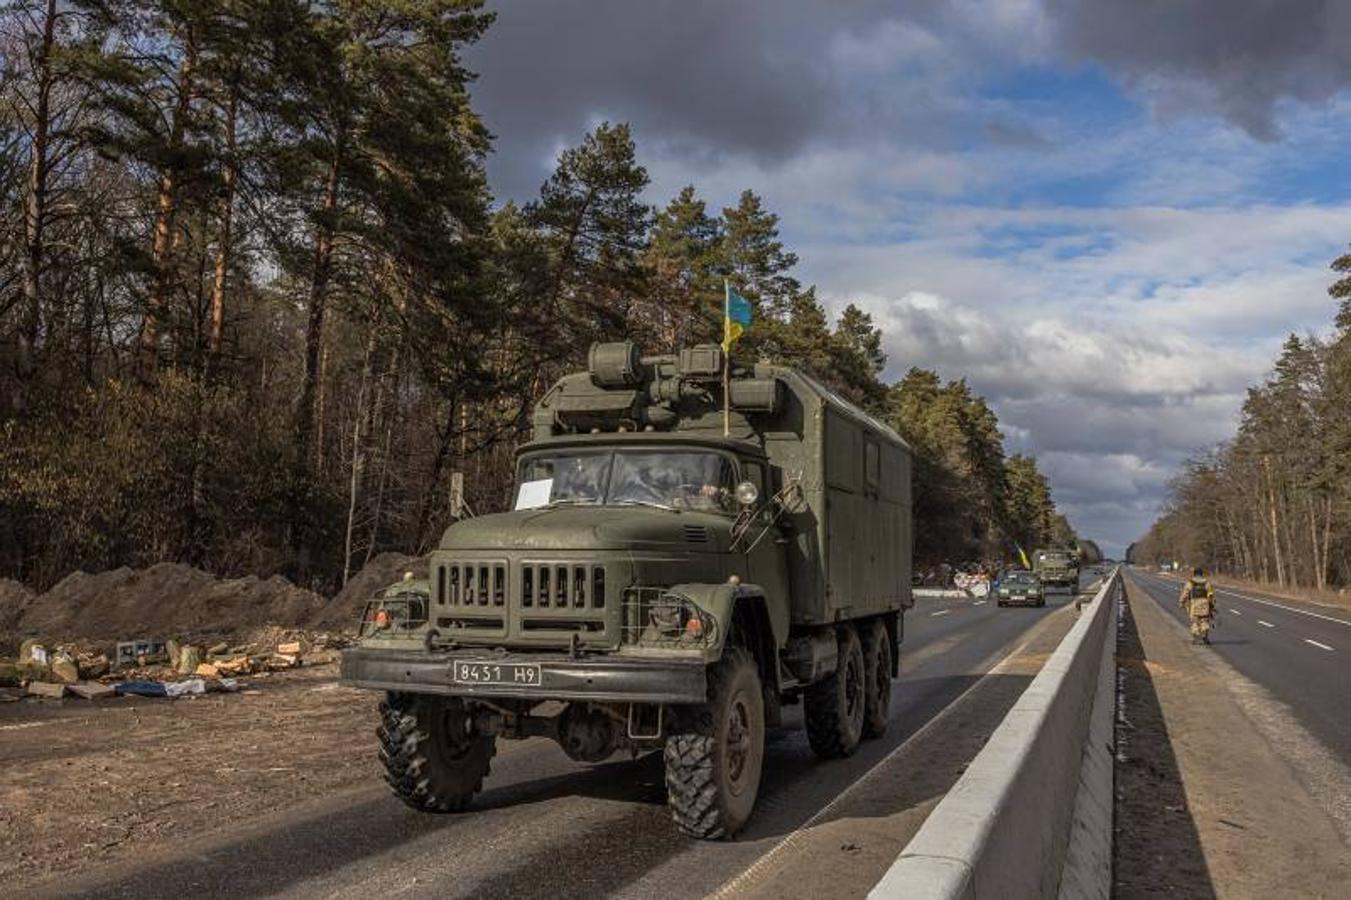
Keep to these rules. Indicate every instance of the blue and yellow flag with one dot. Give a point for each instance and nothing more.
(736, 317)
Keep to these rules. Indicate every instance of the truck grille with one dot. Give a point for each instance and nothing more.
(472, 584)
(562, 585)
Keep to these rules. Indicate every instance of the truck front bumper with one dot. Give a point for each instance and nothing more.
(606, 679)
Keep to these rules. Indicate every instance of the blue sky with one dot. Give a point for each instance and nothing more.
(1106, 214)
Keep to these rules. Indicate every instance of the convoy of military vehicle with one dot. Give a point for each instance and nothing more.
(673, 572)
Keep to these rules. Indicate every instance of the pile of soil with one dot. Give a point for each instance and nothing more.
(15, 598)
(165, 600)
(344, 610)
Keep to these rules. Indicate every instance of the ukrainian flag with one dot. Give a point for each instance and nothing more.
(736, 317)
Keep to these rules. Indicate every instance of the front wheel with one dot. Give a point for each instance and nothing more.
(714, 752)
(435, 758)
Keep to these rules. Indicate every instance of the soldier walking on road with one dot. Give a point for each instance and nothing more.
(1198, 599)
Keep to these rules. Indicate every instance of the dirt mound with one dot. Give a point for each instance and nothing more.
(344, 610)
(165, 600)
(15, 598)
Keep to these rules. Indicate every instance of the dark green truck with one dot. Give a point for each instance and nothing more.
(668, 577)
(1057, 567)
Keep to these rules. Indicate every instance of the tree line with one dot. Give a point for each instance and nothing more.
(1274, 503)
(258, 302)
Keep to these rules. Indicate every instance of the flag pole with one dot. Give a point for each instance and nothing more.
(726, 360)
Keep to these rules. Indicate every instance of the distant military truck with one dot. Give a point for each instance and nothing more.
(1057, 567)
(670, 586)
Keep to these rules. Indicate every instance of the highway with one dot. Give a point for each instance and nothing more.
(549, 827)
(1299, 652)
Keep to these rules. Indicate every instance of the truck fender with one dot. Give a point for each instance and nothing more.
(744, 606)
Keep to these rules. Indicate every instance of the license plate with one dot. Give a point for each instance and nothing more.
(522, 674)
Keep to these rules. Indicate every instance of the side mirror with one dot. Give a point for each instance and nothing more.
(747, 493)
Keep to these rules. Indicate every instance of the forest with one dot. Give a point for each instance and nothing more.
(1274, 503)
(258, 301)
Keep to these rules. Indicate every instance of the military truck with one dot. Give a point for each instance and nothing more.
(1057, 567)
(674, 570)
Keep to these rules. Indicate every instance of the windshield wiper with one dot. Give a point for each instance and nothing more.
(652, 503)
(570, 501)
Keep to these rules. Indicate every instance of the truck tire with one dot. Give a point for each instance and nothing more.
(433, 761)
(877, 679)
(834, 708)
(714, 752)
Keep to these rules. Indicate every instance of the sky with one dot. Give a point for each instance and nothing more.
(1105, 214)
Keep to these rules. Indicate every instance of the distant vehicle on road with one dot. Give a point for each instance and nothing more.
(674, 571)
(1057, 567)
(1021, 587)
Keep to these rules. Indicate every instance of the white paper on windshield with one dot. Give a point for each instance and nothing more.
(534, 494)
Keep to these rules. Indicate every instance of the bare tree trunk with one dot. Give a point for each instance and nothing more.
(323, 270)
(224, 238)
(358, 455)
(445, 441)
(166, 212)
(1326, 543)
(1274, 523)
(35, 209)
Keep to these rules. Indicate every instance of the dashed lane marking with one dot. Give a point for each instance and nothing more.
(1265, 624)
(1235, 612)
(941, 612)
(1316, 644)
(978, 603)
(1302, 612)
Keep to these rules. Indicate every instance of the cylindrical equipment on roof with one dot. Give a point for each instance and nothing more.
(615, 365)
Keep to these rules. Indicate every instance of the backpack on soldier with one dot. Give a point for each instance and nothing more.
(1200, 603)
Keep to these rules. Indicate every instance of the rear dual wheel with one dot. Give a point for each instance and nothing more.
(834, 708)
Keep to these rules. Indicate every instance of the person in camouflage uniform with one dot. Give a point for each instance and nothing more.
(1198, 599)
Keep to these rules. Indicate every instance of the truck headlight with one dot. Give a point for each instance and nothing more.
(656, 617)
(668, 615)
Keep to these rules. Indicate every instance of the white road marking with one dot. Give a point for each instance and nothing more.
(1316, 644)
(1302, 612)
(1235, 612)
(1265, 624)
(978, 603)
(941, 612)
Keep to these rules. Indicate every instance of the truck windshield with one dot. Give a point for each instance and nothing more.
(682, 479)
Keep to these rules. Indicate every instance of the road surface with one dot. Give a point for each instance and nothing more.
(1299, 652)
(549, 827)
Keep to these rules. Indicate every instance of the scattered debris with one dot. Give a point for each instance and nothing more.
(138, 653)
(207, 670)
(64, 668)
(292, 648)
(93, 665)
(184, 688)
(32, 653)
(91, 690)
(46, 689)
(189, 659)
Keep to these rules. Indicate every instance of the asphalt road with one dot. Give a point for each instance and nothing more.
(548, 827)
(1301, 653)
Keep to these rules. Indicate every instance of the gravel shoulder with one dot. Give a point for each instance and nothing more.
(86, 783)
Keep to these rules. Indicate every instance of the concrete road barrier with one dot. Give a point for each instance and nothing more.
(1045, 776)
